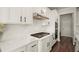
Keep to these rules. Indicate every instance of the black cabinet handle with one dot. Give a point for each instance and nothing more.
(24, 19)
(20, 18)
(34, 45)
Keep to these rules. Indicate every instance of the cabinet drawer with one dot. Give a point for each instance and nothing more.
(32, 47)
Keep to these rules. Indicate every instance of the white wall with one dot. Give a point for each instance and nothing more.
(68, 26)
(53, 17)
(77, 22)
(66, 11)
(16, 31)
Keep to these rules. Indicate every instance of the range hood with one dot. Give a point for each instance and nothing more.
(39, 16)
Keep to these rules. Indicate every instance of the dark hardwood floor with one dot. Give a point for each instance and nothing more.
(65, 45)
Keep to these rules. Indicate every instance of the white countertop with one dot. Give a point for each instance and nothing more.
(11, 45)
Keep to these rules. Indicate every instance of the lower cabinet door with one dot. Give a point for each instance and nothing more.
(46, 45)
(52, 40)
(77, 46)
(32, 47)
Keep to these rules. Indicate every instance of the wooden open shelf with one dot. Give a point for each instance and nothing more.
(39, 17)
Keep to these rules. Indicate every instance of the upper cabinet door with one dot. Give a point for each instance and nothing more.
(27, 13)
(4, 14)
(15, 15)
(21, 15)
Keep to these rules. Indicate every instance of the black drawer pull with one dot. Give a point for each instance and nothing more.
(20, 18)
(24, 19)
(34, 45)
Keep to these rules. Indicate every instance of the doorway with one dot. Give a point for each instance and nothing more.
(66, 25)
(56, 29)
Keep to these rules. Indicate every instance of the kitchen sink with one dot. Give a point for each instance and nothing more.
(40, 34)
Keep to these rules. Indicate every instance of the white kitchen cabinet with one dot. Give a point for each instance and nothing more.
(46, 44)
(15, 15)
(4, 14)
(77, 21)
(52, 39)
(27, 15)
(21, 15)
(77, 44)
(32, 47)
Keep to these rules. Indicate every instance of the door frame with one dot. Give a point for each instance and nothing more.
(67, 11)
(70, 24)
